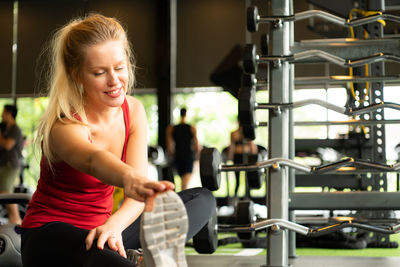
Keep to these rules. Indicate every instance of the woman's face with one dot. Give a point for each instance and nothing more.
(104, 74)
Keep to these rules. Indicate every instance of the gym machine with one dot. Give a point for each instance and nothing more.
(10, 240)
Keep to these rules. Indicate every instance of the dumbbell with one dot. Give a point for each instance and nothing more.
(245, 215)
(249, 81)
(211, 168)
(247, 105)
(206, 240)
(254, 18)
(251, 59)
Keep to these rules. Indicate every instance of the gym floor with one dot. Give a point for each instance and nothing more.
(301, 261)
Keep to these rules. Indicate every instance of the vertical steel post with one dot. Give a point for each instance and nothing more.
(377, 132)
(14, 53)
(277, 192)
(292, 177)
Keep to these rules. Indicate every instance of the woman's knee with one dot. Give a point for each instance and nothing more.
(200, 203)
(208, 197)
(201, 194)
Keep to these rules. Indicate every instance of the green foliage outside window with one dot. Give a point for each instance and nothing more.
(213, 113)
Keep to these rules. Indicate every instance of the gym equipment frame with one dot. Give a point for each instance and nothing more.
(284, 51)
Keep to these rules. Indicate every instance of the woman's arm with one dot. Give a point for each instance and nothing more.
(70, 143)
(136, 157)
(130, 210)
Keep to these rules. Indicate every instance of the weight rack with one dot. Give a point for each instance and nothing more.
(281, 86)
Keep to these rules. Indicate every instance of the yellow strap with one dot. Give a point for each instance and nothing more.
(367, 85)
(363, 13)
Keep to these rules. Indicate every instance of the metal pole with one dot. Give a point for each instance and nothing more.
(14, 53)
(278, 184)
(292, 179)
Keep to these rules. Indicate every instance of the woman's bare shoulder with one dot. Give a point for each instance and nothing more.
(137, 113)
(134, 103)
(65, 126)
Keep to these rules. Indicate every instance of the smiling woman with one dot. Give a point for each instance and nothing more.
(104, 74)
(93, 137)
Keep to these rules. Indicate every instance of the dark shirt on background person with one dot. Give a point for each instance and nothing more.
(183, 147)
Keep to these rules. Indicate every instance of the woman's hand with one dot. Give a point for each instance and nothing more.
(105, 234)
(109, 233)
(140, 189)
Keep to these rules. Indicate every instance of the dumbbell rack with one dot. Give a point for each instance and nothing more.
(280, 124)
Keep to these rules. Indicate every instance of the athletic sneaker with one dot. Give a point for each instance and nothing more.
(164, 225)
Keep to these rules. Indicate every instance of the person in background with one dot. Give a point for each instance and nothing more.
(11, 144)
(93, 136)
(239, 149)
(183, 147)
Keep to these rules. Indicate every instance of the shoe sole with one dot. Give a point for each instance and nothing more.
(164, 225)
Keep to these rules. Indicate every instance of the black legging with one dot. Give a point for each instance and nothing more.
(61, 244)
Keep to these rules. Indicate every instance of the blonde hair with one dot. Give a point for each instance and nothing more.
(66, 102)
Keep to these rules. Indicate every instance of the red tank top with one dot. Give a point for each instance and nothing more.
(68, 195)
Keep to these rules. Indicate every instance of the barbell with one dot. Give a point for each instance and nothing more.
(254, 18)
(251, 59)
(210, 170)
(247, 106)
